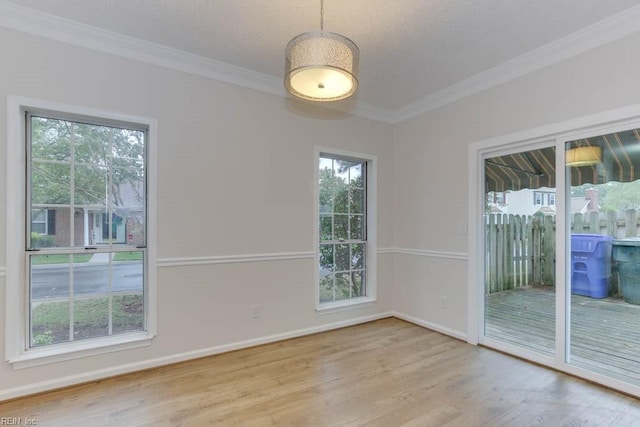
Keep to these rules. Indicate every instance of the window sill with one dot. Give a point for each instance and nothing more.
(351, 304)
(80, 349)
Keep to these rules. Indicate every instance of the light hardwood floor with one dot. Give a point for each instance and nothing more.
(383, 373)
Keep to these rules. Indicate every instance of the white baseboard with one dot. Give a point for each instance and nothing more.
(433, 326)
(56, 383)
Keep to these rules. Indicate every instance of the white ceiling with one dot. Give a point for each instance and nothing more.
(411, 50)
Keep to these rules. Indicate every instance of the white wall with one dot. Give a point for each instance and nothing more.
(430, 167)
(235, 177)
(208, 131)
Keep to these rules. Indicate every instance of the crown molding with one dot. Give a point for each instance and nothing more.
(599, 34)
(41, 24)
(20, 18)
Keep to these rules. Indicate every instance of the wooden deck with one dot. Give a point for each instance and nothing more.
(605, 333)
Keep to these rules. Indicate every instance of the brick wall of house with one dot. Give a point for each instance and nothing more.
(62, 235)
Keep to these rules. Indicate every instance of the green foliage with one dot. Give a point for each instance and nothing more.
(50, 319)
(59, 259)
(42, 338)
(127, 256)
(41, 240)
(621, 196)
(94, 152)
(342, 218)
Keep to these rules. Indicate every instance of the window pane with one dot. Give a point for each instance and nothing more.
(326, 227)
(326, 259)
(326, 288)
(90, 185)
(357, 227)
(341, 200)
(341, 227)
(91, 144)
(135, 228)
(55, 228)
(50, 276)
(91, 317)
(343, 286)
(127, 203)
(129, 146)
(326, 199)
(50, 139)
(128, 313)
(128, 272)
(357, 201)
(357, 256)
(342, 258)
(91, 277)
(49, 322)
(50, 183)
(357, 284)
(355, 176)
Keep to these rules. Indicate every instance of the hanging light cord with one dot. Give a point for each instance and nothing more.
(321, 15)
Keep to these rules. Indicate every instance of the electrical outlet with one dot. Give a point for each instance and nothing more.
(443, 302)
(255, 313)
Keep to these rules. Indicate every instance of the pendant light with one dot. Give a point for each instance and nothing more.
(321, 66)
(584, 156)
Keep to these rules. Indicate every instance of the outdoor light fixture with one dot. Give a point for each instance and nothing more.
(321, 66)
(584, 156)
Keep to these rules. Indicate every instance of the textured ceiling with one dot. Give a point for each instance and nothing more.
(409, 48)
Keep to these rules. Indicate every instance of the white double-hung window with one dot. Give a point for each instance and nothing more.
(78, 278)
(346, 251)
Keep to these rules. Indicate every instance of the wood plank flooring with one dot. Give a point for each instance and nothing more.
(383, 373)
(605, 336)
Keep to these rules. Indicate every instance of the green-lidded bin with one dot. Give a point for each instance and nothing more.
(626, 254)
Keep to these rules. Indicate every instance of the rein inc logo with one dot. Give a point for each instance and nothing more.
(18, 421)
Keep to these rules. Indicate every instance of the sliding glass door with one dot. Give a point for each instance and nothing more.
(557, 235)
(603, 269)
(519, 226)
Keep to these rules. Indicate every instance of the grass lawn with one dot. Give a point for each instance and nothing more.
(50, 320)
(127, 256)
(82, 258)
(59, 259)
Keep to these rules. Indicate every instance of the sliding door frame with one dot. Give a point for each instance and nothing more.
(555, 134)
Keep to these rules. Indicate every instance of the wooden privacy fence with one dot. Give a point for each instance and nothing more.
(520, 250)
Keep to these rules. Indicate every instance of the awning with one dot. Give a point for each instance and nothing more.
(536, 168)
(530, 169)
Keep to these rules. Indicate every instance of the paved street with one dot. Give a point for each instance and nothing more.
(52, 281)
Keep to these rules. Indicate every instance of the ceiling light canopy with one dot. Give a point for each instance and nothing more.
(584, 156)
(321, 66)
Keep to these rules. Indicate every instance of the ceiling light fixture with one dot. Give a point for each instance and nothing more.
(584, 156)
(321, 66)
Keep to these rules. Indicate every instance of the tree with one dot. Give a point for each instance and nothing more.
(342, 225)
(77, 165)
(622, 195)
(100, 159)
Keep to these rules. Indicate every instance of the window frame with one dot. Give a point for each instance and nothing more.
(17, 349)
(537, 198)
(370, 215)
